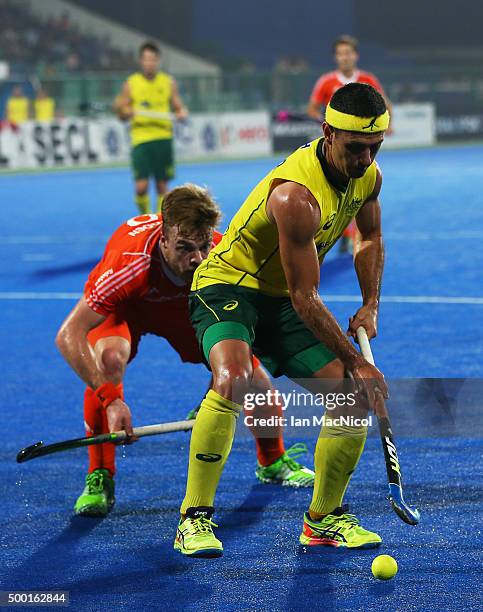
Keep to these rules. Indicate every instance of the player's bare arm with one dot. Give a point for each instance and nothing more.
(177, 105)
(297, 215)
(72, 342)
(313, 109)
(369, 263)
(123, 103)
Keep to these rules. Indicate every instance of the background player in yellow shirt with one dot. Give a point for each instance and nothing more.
(44, 107)
(148, 99)
(258, 290)
(17, 111)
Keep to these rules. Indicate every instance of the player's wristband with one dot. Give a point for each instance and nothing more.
(108, 392)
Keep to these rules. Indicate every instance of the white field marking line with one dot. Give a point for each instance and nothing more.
(39, 295)
(52, 239)
(408, 299)
(390, 299)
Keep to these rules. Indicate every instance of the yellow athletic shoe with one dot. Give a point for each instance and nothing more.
(338, 529)
(195, 537)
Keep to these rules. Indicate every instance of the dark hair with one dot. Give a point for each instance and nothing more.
(345, 39)
(191, 208)
(149, 46)
(358, 99)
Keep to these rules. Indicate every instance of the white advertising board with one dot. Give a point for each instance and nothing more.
(77, 142)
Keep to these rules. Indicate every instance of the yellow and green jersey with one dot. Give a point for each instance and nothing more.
(152, 96)
(44, 109)
(18, 110)
(249, 255)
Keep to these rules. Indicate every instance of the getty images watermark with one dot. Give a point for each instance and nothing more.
(275, 399)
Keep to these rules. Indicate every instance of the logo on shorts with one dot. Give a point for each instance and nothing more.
(231, 305)
(208, 457)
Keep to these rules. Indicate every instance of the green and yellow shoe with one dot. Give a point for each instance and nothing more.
(97, 499)
(338, 529)
(286, 471)
(195, 537)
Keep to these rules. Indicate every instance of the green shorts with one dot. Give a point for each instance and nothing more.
(268, 324)
(153, 158)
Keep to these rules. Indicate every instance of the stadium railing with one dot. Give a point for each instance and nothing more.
(93, 93)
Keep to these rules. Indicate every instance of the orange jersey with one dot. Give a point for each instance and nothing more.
(330, 82)
(138, 294)
(133, 271)
(133, 287)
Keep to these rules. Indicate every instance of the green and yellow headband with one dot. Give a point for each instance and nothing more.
(352, 123)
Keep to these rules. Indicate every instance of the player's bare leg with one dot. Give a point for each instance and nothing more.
(211, 441)
(162, 189)
(275, 464)
(97, 499)
(142, 196)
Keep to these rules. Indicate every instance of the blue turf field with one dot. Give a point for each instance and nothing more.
(431, 325)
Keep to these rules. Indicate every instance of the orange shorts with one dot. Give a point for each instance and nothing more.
(173, 324)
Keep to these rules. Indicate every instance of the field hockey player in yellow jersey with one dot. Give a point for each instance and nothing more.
(148, 99)
(17, 107)
(258, 290)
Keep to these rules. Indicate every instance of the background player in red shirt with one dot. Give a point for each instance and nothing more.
(141, 286)
(346, 56)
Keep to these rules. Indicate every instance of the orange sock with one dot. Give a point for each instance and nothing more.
(350, 231)
(269, 449)
(269, 440)
(95, 419)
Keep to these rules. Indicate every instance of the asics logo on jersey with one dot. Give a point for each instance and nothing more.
(371, 125)
(208, 457)
(329, 221)
(231, 305)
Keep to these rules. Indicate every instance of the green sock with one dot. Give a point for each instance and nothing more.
(210, 446)
(159, 202)
(336, 456)
(143, 204)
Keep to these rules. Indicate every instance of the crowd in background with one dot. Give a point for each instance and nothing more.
(53, 47)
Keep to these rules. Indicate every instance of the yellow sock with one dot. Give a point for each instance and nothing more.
(336, 456)
(143, 204)
(210, 446)
(159, 203)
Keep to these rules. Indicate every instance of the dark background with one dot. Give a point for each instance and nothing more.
(262, 31)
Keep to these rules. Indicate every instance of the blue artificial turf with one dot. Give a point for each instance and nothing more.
(53, 229)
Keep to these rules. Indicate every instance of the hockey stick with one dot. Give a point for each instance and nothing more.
(401, 508)
(39, 449)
